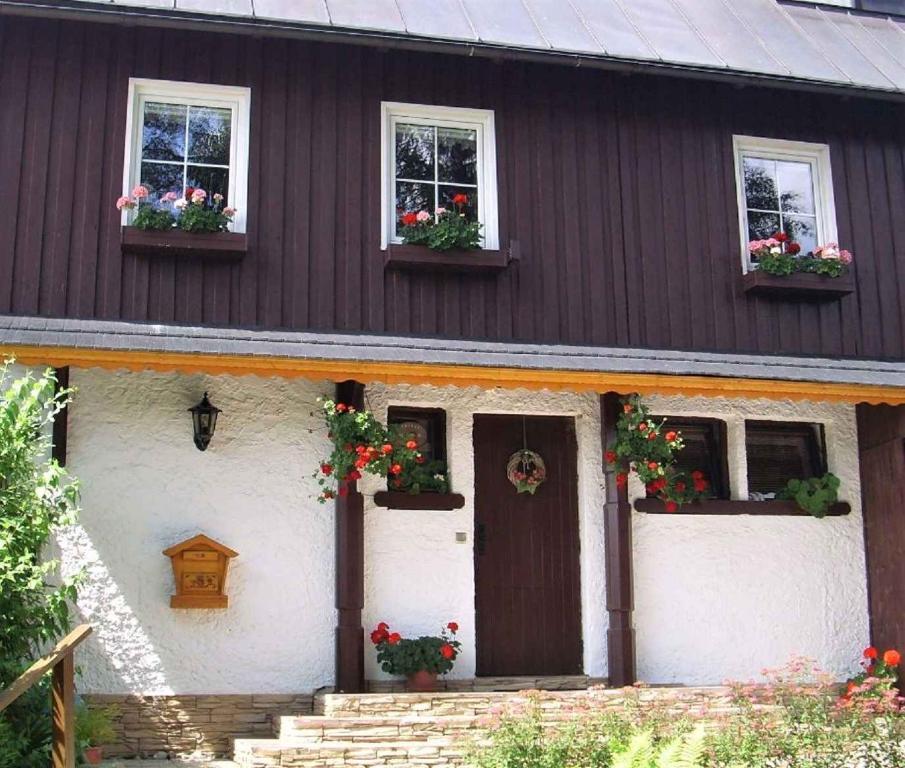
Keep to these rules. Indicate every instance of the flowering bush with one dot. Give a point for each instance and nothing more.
(398, 655)
(195, 212)
(443, 230)
(648, 448)
(792, 720)
(780, 255)
(361, 443)
(874, 686)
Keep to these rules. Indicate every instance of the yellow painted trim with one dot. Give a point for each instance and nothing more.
(485, 377)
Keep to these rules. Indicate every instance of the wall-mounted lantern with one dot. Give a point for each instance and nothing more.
(204, 422)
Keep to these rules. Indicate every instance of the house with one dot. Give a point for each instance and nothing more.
(619, 157)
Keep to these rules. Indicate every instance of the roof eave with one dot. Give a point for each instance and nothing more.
(156, 17)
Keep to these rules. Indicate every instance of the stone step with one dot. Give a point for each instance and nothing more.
(491, 684)
(340, 705)
(268, 753)
(372, 729)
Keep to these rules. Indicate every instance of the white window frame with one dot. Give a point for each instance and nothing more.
(815, 155)
(235, 98)
(480, 120)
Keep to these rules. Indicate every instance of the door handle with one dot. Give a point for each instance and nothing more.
(481, 538)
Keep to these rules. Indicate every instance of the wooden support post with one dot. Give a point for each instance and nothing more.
(61, 422)
(618, 534)
(63, 704)
(350, 570)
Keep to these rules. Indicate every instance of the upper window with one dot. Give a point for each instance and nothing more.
(183, 135)
(784, 186)
(432, 154)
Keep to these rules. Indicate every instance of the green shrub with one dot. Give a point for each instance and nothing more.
(36, 496)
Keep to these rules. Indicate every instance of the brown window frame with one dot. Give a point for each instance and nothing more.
(714, 431)
(814, 436)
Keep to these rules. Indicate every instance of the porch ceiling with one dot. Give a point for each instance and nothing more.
(441, 362)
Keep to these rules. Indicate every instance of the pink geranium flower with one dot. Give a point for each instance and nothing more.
(423, 216)
(199, 196)
(169, 197)
(125, 202)
(140, 192)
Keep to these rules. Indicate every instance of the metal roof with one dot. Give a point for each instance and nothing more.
(804, 42)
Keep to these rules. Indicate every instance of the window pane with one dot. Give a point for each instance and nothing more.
(447, 193)
(209, 135)
(211, 180)
(457, 155)
(796, 186)
(163, 132)
(161, 178)
(762, 225)
(412, 197)
(760, 184)
(803, 230)
(415, 152)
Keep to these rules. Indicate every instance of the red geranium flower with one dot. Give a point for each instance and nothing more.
(353, 475)
(394, 638)
(793, 248)
(378, 636)
(447, 651)
(652, 465)
(643, 426)
(697, 475)
(680, 487)
(871, 653)
(409, 219)
(701, 485)
(344, 490)
(383, 625)
(341, 407)
(396, 469)
(627, 408)
(452, 627)
(621, 480)
(670, 436)
(892, 658)
(411, 445)
(460, 199)
(610, 457)
(189, 191)
(387, 449)
(326, 468)
(651, 435)
(781, 236)
(671, 506)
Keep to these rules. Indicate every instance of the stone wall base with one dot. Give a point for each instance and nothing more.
(198, 726)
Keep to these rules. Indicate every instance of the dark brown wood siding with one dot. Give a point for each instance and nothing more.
(881, 441)
(619, 189)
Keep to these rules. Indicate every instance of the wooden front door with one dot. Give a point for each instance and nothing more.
(527, 572)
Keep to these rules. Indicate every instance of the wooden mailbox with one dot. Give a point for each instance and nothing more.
(200, 565)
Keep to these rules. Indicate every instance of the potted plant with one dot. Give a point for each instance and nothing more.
(94, 727)
(444, 229)
(418, 659)
(362, 443)
(195, 212)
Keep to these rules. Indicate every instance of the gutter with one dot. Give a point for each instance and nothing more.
(131, 16)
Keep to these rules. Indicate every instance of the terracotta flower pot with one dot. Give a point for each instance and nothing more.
(93, 755)
(422, 681)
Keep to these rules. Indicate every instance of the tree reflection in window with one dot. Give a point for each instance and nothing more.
(779, 197)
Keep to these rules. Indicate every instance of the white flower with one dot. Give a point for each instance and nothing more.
(181, 203)
(776, 249)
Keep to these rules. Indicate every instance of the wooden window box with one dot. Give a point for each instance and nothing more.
(224, 246)
(427, 500)
(800, 285)
(420, 258)
(737, 507)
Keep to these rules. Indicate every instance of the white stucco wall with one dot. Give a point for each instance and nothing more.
(715, 597)
(720, 597)
(145, 487)
(417, 577)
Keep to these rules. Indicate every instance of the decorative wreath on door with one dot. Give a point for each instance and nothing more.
(526, 471)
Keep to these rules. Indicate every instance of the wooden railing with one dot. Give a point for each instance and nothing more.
(62, 693)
